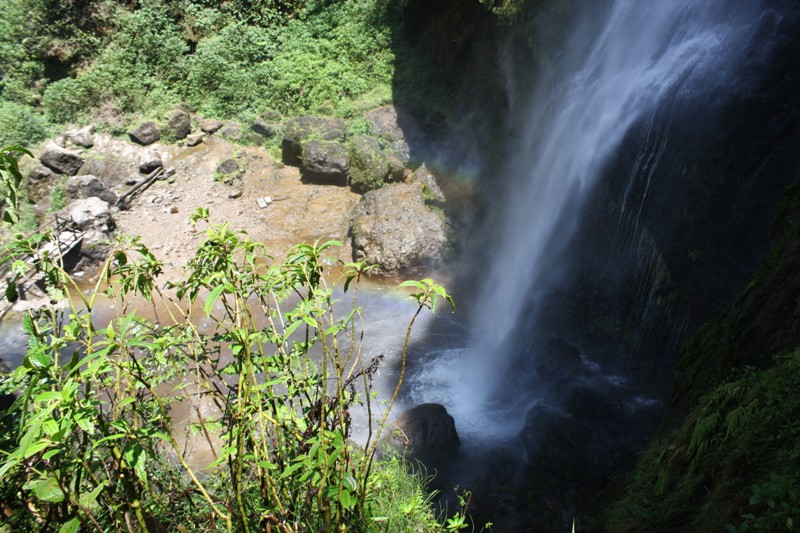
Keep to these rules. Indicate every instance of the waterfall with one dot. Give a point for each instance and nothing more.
(621, 63)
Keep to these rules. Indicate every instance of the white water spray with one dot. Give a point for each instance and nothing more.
(640, 54)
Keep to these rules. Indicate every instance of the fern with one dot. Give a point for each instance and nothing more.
(702, 433)
(662, 482)
(739, 417)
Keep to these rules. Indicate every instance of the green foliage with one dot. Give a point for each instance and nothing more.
(87, 441)
(58, 195)
(742, 433)
(21, 124)
(137, 71)
(226, 74)
(11, 182)
(226, 60)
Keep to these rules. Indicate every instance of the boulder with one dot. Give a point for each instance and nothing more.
(231, 131)
(228, 166)
(393, 229)
(88, 186)
(397, 126)
(179, 124)
(428, 180)
(93, 216)
(61, 160)
(264, 128)
(325, 161)
(426, 433)
(90, 213)
(302, 128)
(113, 161)
(211, 126)
(195, 138)
(40, 180)
(371, 165)
(270, 115)
(146, 133)
(149, 160)
(83, 137)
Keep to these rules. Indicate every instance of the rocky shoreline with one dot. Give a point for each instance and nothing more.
(358, 188)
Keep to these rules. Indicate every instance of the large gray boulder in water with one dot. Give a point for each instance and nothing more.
(392, 229)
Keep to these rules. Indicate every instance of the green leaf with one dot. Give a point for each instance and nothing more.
(38, 358)
(48, 396)
(71, 526)
(213, 298)
(347, 281)
(29, 436)
(47, 490)
(88, 499)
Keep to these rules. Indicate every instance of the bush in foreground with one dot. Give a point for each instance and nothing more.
(91, 440)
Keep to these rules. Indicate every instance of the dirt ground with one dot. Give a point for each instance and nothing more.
(309, 212)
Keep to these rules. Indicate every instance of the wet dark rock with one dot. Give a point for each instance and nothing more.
(325, 161)
(586, 402)
(566, 451)
(302, 128)
(426, 433)
(147, 133)
(61, 160)
(393, 229)
(558, 358)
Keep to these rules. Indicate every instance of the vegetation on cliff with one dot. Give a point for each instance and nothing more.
(728, 456)
(227, 60)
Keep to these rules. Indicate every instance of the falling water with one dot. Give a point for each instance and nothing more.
(617, 69)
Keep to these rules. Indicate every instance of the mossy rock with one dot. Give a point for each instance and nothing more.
(301, 129)
(371, 165)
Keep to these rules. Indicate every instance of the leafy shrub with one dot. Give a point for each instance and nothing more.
(296, 57)
(86, 440)
(21, 124)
